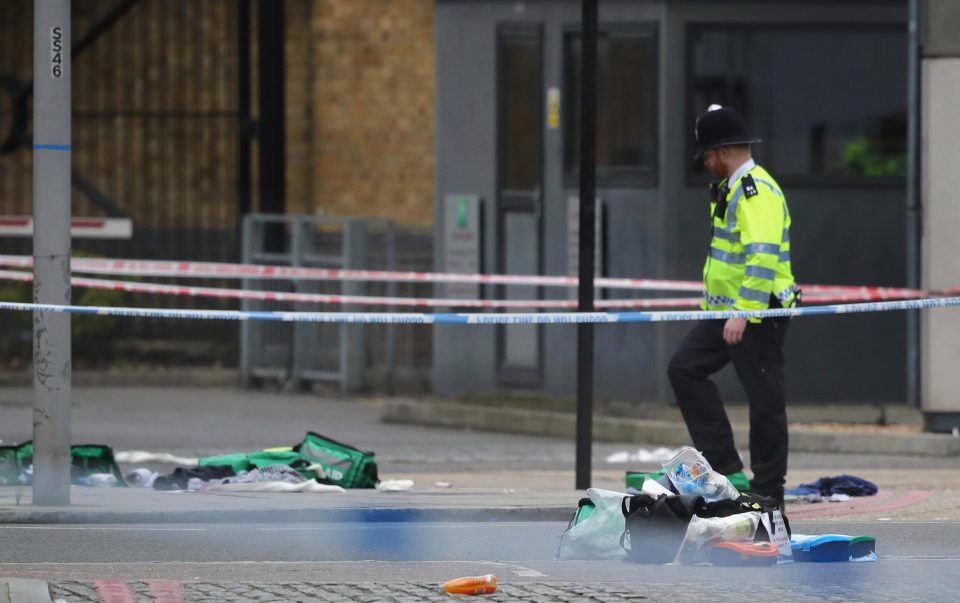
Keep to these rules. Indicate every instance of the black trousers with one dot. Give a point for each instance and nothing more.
(758, 360)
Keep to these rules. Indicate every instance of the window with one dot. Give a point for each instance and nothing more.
(828, 103)
(518, 224)
(626, 105)
(520, 94)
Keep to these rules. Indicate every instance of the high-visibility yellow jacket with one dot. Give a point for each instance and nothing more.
(749, 258)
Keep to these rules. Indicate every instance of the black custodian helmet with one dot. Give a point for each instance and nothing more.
(720, 127)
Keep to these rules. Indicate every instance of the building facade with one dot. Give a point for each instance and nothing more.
(824, 85)
(167, 128)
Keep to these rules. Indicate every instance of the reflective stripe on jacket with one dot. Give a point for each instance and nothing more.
(749, 257)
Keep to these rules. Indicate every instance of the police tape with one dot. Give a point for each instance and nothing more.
(345, 299)
(369, 300)
(161, 268)
(484, 319)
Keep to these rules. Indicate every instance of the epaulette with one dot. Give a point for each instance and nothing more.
(749, 186)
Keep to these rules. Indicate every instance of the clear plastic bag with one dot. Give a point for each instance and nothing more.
(597, 537)
(739, 527)
(704, 531)
(690, 473)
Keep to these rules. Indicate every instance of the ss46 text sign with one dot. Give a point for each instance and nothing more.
(56, 51)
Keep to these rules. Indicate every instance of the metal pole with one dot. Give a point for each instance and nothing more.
(914, 210)
(103, 25)
(244, 127)
(271, 125)
(51, 251)
(588, 151)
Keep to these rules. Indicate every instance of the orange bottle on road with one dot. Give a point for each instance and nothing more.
(474, 585)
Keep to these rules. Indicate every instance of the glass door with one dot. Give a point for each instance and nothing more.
(520, 173)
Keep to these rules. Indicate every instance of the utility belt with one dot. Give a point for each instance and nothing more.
(775, 303)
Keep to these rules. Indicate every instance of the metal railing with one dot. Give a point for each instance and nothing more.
(354, 357)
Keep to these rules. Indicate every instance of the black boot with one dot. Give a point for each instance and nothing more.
(774, 492)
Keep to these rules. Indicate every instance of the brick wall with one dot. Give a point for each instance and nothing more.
(154, 105)
(360, 108)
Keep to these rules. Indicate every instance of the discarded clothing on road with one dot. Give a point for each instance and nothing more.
(141, 478)
(135, 457)
(222, 478)
(311, 486)
(270, 473)
(850, 485)
(180, 478)
(316, 458)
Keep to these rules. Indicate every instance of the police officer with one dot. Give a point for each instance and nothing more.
(747, 268)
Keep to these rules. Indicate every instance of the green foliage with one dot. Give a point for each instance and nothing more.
(862, 158)
(92, 336)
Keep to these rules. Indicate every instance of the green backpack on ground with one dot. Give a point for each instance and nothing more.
(334, 462)
(85, 459)
(246, 461)
(635, 479)
(340, 464)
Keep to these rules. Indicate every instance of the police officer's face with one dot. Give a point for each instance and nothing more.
(713, 160)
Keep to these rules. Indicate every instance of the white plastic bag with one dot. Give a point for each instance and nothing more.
(597, 536)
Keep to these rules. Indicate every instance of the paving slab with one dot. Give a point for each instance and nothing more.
(932, 494)
(832, 439)
(491, 476)
(23, 590)
(145, 505)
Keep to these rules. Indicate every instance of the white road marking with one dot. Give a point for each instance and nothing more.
(529, 573)
(104, 528)
(424, 525)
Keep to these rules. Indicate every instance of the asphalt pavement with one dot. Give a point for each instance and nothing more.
(407, 562)
(461, 474)
(458, 473)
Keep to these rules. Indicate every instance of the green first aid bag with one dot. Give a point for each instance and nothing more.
(85, 459)
(339, 464)
(245, 461)
(332, 462)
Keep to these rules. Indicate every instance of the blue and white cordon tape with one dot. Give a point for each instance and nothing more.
(481, 318)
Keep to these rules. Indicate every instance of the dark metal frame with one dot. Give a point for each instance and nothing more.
(13, 137)
(517, 201)
(639, 177)
(271, 125)
(245, 126)
(792, 180)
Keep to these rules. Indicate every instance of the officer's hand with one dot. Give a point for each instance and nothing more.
(733, 330)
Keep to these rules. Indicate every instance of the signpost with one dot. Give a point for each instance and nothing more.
(588, 152)
(51, 251)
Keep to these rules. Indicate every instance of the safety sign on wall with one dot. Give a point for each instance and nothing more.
(461, 243)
